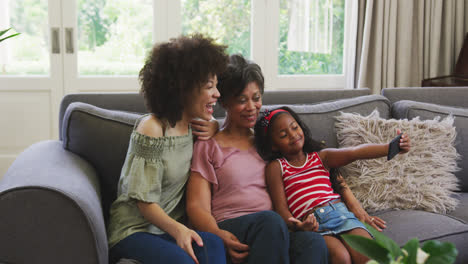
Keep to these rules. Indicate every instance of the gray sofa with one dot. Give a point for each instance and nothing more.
(54, 199)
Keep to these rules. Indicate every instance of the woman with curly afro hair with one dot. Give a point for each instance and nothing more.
(178, 83)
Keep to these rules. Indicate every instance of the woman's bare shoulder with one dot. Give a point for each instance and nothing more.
(150, 126)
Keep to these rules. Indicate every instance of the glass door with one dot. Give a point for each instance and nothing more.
(106, 42)
(67, 46)
(31, 75)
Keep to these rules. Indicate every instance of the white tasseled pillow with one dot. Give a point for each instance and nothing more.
(421, 179)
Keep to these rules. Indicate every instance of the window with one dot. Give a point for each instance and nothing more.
(73, 46)
(299, 44)
(311, 35)
(113, 36)
(226, 21)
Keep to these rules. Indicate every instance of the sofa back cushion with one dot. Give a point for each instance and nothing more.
(134, 102)
(101, 137)
(298, 97)
(320, 118)
(411, 109)
(449, 96)
(128, 102)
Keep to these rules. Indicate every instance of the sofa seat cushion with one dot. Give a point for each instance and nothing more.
(101, 137)
(403, 225)
(411, 109)
(320, 118)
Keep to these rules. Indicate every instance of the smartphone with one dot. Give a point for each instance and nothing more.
(394, 147)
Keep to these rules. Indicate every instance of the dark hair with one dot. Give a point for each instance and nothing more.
(174, 69)
(238, 74)
(264, 144)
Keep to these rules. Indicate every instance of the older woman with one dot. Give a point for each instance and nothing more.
(226, 193)
(178, 84)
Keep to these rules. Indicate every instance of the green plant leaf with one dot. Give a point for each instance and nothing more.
(9, 37)
(4, 31)
(368, 247)
(440, 252)
(412, 248)
(385, 242)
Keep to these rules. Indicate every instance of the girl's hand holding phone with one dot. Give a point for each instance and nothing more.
(405, 142)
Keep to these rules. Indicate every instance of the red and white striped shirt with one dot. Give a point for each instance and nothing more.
(306, 186)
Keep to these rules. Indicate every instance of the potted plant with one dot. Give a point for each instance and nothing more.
(384, 250)
(5, 31)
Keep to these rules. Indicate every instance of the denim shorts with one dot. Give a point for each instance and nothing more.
(335, 219)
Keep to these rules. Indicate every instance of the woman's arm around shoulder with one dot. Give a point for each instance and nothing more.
(203, 129)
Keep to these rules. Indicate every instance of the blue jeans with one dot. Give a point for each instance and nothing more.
(269, 240)
(307, 248)
(150, 248)
(266, 234)
(335, 219)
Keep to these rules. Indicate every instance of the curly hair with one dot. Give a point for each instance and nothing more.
(238, 74)
(264, 144)
(174, 69)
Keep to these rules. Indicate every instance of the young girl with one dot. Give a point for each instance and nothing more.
(300, 176)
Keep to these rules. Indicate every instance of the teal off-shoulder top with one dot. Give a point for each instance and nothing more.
(155, 171)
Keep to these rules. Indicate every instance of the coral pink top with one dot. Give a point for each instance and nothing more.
(306, 186)
(237, 178)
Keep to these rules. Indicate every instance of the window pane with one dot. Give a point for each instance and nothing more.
(227, 21)
(26, 54)
(311, 37)
(113, 36)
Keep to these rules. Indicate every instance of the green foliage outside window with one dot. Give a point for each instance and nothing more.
(115, 35)
(227, 21)
(93, 23)
(293, 62)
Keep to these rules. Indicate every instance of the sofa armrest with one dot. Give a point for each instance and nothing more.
(51, 210)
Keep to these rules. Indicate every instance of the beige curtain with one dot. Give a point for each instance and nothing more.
(401, 42)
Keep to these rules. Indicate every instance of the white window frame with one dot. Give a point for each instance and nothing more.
(167, 23)
(266, 27)
(265, 41)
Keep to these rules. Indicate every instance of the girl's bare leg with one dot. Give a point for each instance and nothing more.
(337, 250)
(357, 257)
